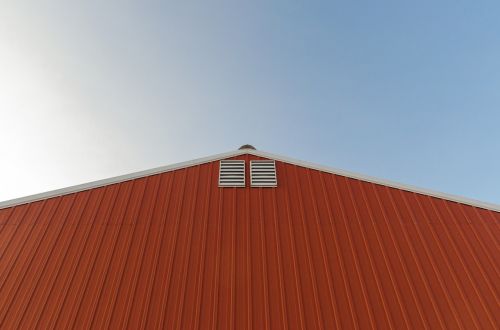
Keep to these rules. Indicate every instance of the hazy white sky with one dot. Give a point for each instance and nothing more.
(407, 92)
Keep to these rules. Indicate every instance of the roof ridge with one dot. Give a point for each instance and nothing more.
(199, 161)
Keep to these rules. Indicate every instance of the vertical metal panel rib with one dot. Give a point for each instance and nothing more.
(264, 262)
(402, 261)
(467, 317)
(202, 260)
(17, 274)
(450, 312)
(40, 297)
(355, 257)
(138, 316)
(311, 269)
(215, 294)
(280, 262)
(319, 231)
(394, 288)
(184, 272)
(379, 292)
(249, 260)
(398, 211)
(167, 282)
(296, 273)
(463, 261)
(55, 302)
(350, 314)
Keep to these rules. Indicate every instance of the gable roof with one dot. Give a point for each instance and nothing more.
(198, 161)
(174, 250)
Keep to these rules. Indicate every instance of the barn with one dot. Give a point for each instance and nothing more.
(248, 240)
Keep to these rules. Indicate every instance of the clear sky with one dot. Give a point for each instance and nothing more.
(402, 90)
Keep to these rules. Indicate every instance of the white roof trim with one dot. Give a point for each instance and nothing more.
(450, 197)
(117, 179)
(168, 168)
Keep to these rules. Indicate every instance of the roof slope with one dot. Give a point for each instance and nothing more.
(173, 250)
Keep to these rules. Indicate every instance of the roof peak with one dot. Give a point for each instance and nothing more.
(168, 168)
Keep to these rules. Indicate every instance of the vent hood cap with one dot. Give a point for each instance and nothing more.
(247, 146)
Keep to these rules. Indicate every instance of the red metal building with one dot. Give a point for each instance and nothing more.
(239, 245)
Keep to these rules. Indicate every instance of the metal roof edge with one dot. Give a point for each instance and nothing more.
(198, 161)
(384, 182)
(117, 179)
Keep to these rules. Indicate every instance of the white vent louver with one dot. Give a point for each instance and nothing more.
(263, 173)
(232, 173)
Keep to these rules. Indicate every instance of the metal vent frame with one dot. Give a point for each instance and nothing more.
(263, 173)
(231, 173)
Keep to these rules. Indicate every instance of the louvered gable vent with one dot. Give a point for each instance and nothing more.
(232, 173)
(263, 173)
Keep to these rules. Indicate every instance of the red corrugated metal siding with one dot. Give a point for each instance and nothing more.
(320, 251)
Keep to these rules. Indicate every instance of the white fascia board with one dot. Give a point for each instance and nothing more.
(117, 179)
(168, 168)
(392, 184)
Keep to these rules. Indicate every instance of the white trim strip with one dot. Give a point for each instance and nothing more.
(162, 169)
(450, 197)
(117, 179)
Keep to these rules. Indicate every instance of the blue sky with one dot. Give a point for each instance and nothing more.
(406, 91)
